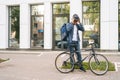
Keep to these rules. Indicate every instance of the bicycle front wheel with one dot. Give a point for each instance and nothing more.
(98, 64)
(64, 63)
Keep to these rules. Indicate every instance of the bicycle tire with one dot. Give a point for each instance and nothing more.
(98, 64)
(63, 63)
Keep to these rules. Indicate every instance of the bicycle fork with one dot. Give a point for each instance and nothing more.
(71, 58)
(96, 59)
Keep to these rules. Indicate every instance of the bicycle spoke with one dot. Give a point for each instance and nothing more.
(98, 64)
(64, 63)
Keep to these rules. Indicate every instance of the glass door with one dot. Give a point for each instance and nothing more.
(58, 22)
(91, 21)
(37, 26)
(14, 12)
(60, 16)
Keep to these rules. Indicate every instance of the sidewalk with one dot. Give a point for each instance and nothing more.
(39, 65)
(50, 51)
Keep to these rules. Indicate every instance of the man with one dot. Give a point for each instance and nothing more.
(73, 38)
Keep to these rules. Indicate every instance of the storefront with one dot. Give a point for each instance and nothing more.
(36, 23)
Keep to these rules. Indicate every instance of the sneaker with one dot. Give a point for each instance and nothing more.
(82, 68)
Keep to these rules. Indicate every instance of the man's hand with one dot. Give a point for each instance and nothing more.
(75, 21)
(78, 22)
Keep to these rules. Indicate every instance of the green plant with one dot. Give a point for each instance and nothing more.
(3, 60)
(86, 66)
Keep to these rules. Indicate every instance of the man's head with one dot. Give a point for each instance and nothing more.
(76, 17)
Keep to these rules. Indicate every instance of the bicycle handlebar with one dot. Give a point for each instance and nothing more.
(92, 47)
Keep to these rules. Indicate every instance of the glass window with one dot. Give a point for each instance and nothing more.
(37, 9)
(14, 12)
(61, 8)
(37, 26)
(91, 21)
(60, 16)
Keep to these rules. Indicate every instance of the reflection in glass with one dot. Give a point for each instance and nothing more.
(37, 26)
(61, 8)
(37, 10)
(91, 23)
(14, 12)
(58, 23)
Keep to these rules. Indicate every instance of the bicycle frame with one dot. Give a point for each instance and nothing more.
(92, 53)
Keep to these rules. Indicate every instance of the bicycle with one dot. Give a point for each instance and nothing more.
(98, 63)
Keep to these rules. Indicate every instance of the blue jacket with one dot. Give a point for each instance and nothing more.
(70, 29)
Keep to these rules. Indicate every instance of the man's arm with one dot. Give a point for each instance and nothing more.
(80, 27)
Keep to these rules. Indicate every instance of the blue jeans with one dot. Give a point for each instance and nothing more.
(75, 46)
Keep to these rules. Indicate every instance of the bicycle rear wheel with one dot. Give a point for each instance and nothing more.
(98, 64)
(64, 63)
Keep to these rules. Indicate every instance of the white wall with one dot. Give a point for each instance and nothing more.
(108, 21)
(24, 26)
(48, 26)
(113, 24)
(3, 27)
(109, 24)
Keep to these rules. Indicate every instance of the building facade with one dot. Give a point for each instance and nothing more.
(27, 24)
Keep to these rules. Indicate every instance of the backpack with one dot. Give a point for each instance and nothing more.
(64, 33)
